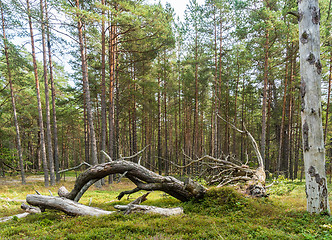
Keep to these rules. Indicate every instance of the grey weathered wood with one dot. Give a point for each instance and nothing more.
(131, 208)
(311, 115)
(143, 178)
(30, 209)
(21, 215)
(66, 205)
(76, 209)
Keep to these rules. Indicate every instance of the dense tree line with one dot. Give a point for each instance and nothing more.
(140, 79)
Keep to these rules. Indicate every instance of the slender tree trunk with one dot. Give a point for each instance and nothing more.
(216, 100)
(134, 115)
(40, 113)
(55, 127)
(166, 165)
(103, 128)
(220, 96)
(235, 103)
(159, 128)
(282, 126)
(103, 86)
(112, 64)
(328, 99)
(47, 100)
(86, 134)
(87, 89)
(18, 137)
(312, 130)
(267, 160)
(264, 105)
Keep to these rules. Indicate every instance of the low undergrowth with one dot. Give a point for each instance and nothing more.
(222, 214)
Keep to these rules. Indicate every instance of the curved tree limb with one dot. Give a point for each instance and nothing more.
(143, 178)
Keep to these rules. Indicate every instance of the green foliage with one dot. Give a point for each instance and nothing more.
(222, 214)
(283, 186)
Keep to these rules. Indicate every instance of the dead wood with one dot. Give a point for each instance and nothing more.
(76, 167)
(65, 205)
(73, 208)
(143, 178)
(227, 170)
(20, 215)
(132, 208)
(28, 210)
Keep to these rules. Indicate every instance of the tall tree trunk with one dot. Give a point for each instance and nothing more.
(134, 114)
(55, 126)
(18, 137)
(166, 165)
(159, 128)
(312, 130)
(47, 99)
(235, 103)
(216, 100)
(267, 160)
(112, 42)
(86, 90)
(328, 99)
(264, 105)
(40, 113)
(103, 128)
(282, 126)
(103, 85)
(219, 128)
(195, 126)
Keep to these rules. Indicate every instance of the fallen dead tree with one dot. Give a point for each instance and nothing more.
(28, 210)
(73, 208)
(221, 171)
(133, 208)
(65, 205)
(227, 170)
(143, 178)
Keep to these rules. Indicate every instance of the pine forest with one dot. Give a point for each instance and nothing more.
(131, 78)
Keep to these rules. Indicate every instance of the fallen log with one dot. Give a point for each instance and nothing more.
(77, 209)
(143, 178)
(28, 210)
(20, 215)
(65, 205)
(131, 208)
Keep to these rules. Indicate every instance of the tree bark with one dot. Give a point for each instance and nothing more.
(143, 178)
(266, 67)
(86, 88)
(18, 137)
(328, 99)
(103, 86)
(76, 209)
(312, 130)
(47, 100)
(112, 67)
(130, 208)
(40, 113)
(282, 127)
(66, 205)
(55, 126)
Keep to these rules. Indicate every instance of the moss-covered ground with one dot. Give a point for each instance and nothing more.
(222, 214)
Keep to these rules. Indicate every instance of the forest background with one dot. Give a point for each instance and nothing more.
(142, 78)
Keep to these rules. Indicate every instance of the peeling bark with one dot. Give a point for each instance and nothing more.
(312, 130)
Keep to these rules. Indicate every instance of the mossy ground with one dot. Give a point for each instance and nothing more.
(222, 214)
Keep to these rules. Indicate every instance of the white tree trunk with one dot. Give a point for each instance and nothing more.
(312, 130)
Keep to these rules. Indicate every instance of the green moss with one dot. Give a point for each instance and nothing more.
(222, 214)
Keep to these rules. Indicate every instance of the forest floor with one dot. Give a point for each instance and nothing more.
(222, 214)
